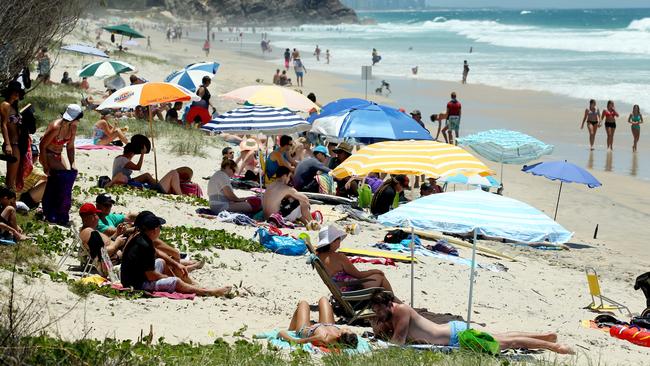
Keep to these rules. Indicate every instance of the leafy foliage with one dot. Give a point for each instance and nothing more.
(204, 239)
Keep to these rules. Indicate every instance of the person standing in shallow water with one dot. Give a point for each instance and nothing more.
(465, 71)
(592, 117)
(609, 116)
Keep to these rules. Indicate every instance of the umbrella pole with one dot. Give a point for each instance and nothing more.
(153, 144)
(412, 264)
(558, 201)
(471, 281)
(259, 161)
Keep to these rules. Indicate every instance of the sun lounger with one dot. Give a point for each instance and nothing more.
(597, 299)
(354, 305)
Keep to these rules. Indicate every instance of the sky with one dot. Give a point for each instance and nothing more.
(525, 4)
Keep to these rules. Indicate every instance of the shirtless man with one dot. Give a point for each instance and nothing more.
(402, 324)
(280, 198)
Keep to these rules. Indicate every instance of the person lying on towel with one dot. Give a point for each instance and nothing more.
(324, 333)
(339, 267)
(281, 199)
(401, 324)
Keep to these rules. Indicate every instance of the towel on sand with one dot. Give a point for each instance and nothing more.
(88, 144)
(275, 340)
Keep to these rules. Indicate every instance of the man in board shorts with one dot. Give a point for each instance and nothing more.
(453, 118)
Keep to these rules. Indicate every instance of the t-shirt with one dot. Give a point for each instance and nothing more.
(139, 257)
(383, 202)
(216, 184)
(118, 166)
(454, 107)
(306, 171)
(110, 221)
(172, 115)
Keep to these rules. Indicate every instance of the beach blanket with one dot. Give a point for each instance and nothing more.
(101, 281)
(88, 144)
(420, 347)
(274, 339)
(354, 213)
(235, 218)
(384, 261)
(57, 198)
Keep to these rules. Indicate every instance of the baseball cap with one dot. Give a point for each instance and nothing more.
(104, 198)
(147, 220)
(321, 149)
(87, 209)
(416, 112)
(73, 112)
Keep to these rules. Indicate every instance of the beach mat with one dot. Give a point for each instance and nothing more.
(376, 253)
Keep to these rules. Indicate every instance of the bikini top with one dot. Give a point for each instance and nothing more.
(636, 118)
(611, 114)
(593, 115)
(60, 141)
(15, 119)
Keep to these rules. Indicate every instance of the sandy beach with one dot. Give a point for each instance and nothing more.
(542, 291)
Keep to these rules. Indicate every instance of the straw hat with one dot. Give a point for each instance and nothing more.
(248, 145)
(185, 174)
(345, 147)
(328, 235)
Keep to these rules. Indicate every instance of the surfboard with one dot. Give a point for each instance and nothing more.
(377, 253)
(329, 199)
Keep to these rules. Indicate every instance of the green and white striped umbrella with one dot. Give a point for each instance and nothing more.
(105, 68)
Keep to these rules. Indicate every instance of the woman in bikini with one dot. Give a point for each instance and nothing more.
(635, 120)
(324, 333)
(60, 133)
(609, 116)
(339, 267)
(592, 117)
(11, 124)
(104, 133)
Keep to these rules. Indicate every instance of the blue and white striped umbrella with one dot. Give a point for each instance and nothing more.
(258, 119)
(190, 77)
(505, 146)
(489, 214)
(471, 180)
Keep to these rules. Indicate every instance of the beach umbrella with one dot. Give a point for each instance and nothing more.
(124, 30)
(258, 119)
(506, 147)
(431, 158)
(272, 96)
(191, 76)
(471, 180)
(338, 106)
(145, 95)
(369, 122)
(479, 213)
(85, 50)
(105, 68)
(563, 171)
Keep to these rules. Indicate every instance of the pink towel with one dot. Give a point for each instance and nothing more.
(98, 147)
(174, 295)
(384, 261)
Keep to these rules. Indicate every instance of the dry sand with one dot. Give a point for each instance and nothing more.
(543, 291)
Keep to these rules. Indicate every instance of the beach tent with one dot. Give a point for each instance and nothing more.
(105, 68)
(431, 158)
(191, 76)
(272, 96)
(480, 213)
(565, 172)
(368, 122)
(124, 30)
(145, 95)
(506, 147)
(85, 50)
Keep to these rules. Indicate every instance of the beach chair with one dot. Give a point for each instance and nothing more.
(75, 245)
(354, 305)
(600, 303)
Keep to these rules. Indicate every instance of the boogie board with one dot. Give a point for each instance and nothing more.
(377, 254)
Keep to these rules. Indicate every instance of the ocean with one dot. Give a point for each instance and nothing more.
(601, 54)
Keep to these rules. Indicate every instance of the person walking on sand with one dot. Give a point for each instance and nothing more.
(592, 117)
(327, 56)
(609, 116)
(206, 47)
(453, 119)
(635, 120)
(287, 58)
(300, 70)
(465, 71)
(317, 53)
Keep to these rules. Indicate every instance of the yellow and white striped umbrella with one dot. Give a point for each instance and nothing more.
(431, 158)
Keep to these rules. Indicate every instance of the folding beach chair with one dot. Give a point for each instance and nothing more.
(597, 296)
(75, 245)
(354, 305)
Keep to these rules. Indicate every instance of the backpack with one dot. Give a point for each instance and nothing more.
(395, 236)
(365, 196)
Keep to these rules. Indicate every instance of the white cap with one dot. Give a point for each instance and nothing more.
(73, 112)
(329, 234)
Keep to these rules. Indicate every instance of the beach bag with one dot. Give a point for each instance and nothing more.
(395, 236)
(365, 196)
(284, 245)
(191, 189)
(479, 342)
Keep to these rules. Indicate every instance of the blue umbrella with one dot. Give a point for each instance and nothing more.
(481, 213)
(367, 122)
(506, 147)
(191, 76)
(563, 171)
(85, 50)
(474, 179)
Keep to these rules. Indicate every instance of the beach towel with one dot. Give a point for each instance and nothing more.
(57, 198)
(191, 189)
(88, 144)
(167, 295)
(325, 183)
(235, 218)
(420, 347)
(384, 261)
(284, 245)
(278, 221)
(354, 213)
(274, 339)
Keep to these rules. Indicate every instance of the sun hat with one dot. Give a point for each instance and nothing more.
(141, 141)
(13, 86)
(73, 112)
(416, 112)
(147, 220)
(321, 149)
(328, 235)
(343, 146)
(88, 208)
(248, 145)
(104, 198)
(185, 173)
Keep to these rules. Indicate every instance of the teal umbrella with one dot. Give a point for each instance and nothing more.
(124, 30)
